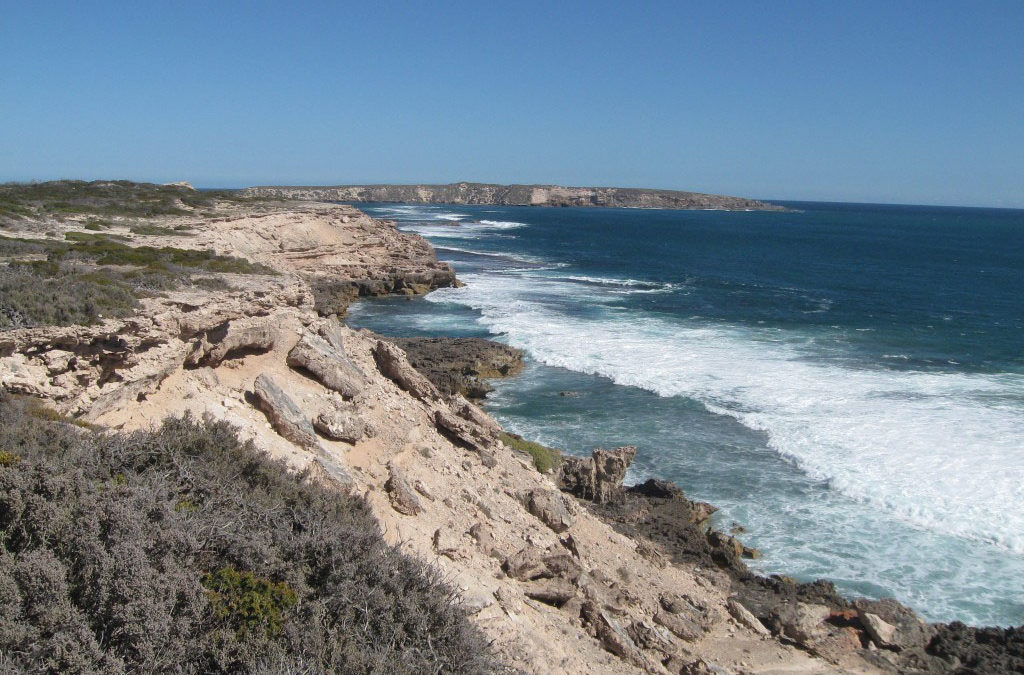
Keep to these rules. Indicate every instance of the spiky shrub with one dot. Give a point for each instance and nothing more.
(102, 570)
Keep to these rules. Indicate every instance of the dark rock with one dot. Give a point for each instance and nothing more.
(459, 365)
(332, 296)
(283, 414)
(978, 651)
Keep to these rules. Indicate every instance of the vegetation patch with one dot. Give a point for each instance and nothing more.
(545, 459)
(48, 294)
(176, 231)
(91, 276)
(103, 569)
(106, 199)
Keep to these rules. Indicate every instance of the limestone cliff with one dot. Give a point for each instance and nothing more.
(516, 195)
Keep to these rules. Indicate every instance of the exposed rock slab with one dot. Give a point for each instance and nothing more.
(392, 364)
(403, 497)
(321, 353)
(549, 507)
(340, 425)
(284, 415)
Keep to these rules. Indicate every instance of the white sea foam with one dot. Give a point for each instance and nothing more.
(498, 224)
(938, 450)
(618, 286)
(450, 228)
(512, 257)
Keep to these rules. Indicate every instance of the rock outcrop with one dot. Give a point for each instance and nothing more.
(284, 415)
(461, 365)
(516, 195)
(321, 352)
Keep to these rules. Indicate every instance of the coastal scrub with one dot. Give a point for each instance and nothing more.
(185, 550)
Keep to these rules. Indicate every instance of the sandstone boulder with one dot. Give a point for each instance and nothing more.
(340, 425)
(323, 356)
(283, 414)
(882, 633)
(392, 364)
(804, 624)
(549, 508)
(908, 631)
(597, 478)
(232, 338)
(745, 618)
(403, 497)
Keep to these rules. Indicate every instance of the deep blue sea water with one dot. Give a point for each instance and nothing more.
(845, 380)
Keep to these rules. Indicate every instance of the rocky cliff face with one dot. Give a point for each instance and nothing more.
(602, 584)
(516, 195)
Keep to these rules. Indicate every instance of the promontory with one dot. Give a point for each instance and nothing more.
(515, 195)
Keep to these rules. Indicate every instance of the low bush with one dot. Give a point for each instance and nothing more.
(177, 231)
(44, 293)
(102, 570)
(92, 275)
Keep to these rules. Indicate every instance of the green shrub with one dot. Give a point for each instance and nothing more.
(45, 293)
(177, 231)
(84, 278)
(545, 459)
(247, 602)
(102, 570)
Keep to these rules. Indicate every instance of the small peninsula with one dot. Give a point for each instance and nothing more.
(515, 195)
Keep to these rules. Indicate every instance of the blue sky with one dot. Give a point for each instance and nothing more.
(898, 101)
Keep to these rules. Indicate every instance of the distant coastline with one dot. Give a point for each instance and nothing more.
(515, 195)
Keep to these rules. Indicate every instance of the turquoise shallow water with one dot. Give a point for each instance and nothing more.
(846, 381)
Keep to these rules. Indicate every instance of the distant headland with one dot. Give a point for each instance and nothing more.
(515, 195)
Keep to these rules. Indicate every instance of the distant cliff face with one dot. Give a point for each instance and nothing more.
(515, 195)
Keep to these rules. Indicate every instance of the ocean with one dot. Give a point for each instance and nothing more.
(845, 381)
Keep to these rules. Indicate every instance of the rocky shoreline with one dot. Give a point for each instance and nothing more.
(569, 572)
(812, 615)
(515, 195)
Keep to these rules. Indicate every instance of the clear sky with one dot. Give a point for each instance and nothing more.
(895, 101)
